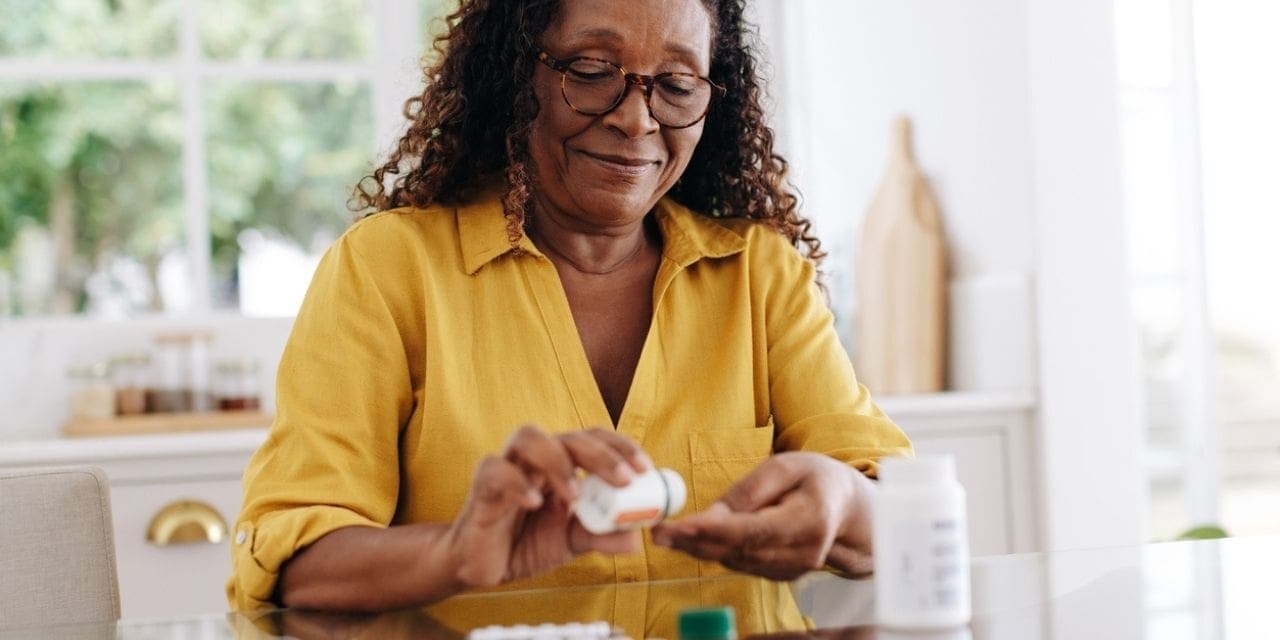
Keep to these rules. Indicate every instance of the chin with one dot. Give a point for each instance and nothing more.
(618, 203)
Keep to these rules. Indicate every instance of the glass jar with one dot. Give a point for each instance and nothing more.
(92, 396)
(180, 381)
(236, 385)
(129, 375)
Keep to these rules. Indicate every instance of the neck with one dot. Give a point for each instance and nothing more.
(589, 250)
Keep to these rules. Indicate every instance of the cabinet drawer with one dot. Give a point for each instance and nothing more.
(181, 578)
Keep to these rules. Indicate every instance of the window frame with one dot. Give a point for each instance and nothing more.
(1194, 461)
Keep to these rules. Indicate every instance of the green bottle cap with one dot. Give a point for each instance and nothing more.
(712, 623)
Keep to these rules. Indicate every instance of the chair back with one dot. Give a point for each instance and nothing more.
(57, 555)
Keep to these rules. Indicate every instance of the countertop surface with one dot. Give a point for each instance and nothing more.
(60, 451)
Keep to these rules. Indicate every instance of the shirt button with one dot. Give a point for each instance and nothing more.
(241, 536)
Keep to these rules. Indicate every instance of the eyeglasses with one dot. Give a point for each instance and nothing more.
(594, 87)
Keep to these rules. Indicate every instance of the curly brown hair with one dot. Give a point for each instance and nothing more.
(471, 124)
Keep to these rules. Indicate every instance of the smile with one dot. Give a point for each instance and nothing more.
(621, 164)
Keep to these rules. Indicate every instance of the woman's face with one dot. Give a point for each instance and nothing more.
(609, 170)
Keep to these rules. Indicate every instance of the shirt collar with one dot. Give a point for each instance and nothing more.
(687, 237)
(482, 232)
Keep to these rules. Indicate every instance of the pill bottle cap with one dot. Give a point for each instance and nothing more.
(922, 470)
(714, 623)
(676, 491)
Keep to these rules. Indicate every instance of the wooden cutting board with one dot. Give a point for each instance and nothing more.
(901, 272)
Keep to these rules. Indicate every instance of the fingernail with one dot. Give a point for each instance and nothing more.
(624, 471)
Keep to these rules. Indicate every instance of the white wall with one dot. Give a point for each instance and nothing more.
(1014, 109)
(1091, 431)
(958, 70)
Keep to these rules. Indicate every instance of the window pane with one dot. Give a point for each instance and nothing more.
(89, 28)
(286, 29)
(1159, 312)
(1239, 96)
(1158, 309)
(282, 161)
(91, 201)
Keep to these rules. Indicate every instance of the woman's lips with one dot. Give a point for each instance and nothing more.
(621, 164)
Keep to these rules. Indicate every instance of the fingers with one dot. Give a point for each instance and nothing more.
(542, 459)
(603, 452)
(501, 495)
(766, 484)
(624, 446)
(689, 526)
(779, 542)
(498, 488)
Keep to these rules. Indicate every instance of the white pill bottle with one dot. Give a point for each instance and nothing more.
(650, 498)
(921, 544)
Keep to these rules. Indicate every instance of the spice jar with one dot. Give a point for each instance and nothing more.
(236, 385)
(92, 396)
(129, 375)
(180, 371)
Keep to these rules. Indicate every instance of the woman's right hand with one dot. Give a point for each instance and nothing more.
(517, 520)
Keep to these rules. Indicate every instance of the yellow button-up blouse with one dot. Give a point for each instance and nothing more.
(425, 340)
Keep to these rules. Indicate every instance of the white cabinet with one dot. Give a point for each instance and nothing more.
(180, 577)
(146, 474)
(990, 437)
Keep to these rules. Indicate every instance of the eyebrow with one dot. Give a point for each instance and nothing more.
(605, 33)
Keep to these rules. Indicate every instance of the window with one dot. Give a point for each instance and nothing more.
(1197, 98)
(187, 156)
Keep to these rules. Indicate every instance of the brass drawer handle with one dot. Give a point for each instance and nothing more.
(185, 522)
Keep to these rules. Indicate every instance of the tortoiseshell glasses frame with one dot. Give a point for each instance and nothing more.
(684, 98)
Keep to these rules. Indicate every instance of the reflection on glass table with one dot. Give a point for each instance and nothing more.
(1204, 590)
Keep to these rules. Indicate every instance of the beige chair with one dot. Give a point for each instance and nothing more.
(57, 558)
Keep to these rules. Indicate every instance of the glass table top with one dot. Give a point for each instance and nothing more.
(1204, 590)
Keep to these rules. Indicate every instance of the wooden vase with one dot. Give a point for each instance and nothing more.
(901, 272)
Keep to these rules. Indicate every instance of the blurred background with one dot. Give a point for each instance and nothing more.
(1101, 169)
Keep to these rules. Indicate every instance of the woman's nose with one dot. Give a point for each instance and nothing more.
(632, 117)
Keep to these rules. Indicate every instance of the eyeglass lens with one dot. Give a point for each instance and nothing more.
(594, 87)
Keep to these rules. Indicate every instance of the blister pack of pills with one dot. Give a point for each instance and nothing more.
(570, 631)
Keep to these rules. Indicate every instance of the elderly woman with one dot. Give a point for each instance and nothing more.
(585, 263)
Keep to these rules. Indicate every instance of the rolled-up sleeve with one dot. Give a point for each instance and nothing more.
(817, 402)
(344, 390)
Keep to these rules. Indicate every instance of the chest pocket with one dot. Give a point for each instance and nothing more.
(722, 457)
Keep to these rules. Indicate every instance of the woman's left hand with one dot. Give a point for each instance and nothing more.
(794, 513)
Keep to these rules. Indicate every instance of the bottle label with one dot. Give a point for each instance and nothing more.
(637, 515)
(930, 565)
